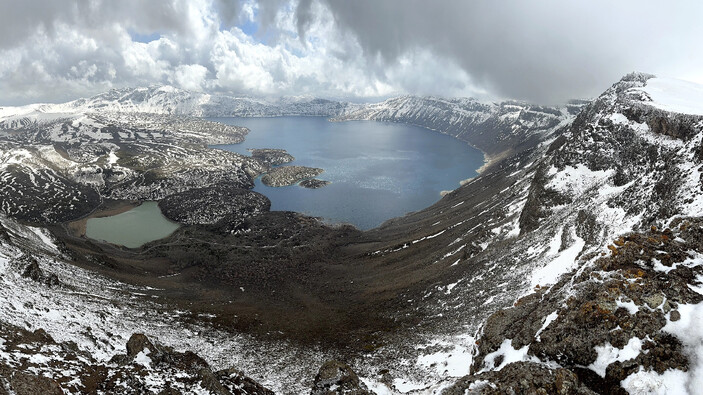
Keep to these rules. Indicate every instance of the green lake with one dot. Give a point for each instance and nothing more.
(132, 228)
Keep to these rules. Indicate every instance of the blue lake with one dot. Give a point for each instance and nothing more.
(378, 170)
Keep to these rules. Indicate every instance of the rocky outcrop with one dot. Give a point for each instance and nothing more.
(33, 272)
(605, 324)
(34, 363)
(337, 377)
(214, 204)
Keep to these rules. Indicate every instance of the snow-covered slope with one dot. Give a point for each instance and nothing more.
(675, 95)
(174, 101)
(613, 268)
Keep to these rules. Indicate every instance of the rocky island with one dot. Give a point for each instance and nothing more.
(313, 183)
(289, 175)
(271, 156)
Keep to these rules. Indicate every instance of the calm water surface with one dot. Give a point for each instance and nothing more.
(132, 228)
(378, 170)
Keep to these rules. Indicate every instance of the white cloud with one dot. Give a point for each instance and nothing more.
(58, 50)
(88, 48)
(190, 76)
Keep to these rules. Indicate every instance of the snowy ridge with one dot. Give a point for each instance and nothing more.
(167, 100)
(558, 217)
(628, 168)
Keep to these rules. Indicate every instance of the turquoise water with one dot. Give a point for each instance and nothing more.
(378, 170)
(132, 228)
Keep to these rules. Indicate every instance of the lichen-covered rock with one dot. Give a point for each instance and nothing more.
(621, 301)
(521, 378)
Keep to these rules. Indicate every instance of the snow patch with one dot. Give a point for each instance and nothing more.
(547, 320)
(143, 359)
(674, 95)
(376, 387)
(688, 330)
(651, 383)
(509, 354)
(608, 354)
(630, 306)
(455, 362)
(112, 158)
(578, 180)
(405, 386)
(562, 263)
(44, 237)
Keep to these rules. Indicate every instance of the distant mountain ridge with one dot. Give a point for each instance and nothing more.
(174, 101)
(491, 127)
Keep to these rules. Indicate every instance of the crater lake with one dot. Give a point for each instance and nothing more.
(377, 170)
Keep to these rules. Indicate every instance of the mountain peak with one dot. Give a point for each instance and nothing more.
(637, 76)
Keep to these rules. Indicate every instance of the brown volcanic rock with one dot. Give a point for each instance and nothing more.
(337, 377)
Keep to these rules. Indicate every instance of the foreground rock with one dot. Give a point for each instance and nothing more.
(289, 175)
(336, 377)
(33, 363)
(521, 378)
(622, 322)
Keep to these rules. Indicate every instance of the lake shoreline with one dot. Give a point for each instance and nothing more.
(108, 208)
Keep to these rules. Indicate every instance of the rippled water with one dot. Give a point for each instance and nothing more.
(378, 170)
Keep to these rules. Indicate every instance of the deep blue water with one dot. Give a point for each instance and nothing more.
(378, 170)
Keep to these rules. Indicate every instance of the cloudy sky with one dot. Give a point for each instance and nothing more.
(542, 51)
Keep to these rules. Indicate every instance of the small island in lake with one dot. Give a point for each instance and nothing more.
(313, 183)
(271, 156)
(289, 175)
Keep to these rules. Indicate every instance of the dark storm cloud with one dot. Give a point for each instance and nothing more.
(544, 51)
(303, 16)
(228, 11)
(21, 19)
